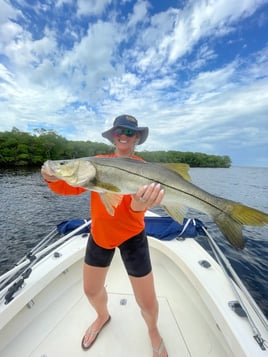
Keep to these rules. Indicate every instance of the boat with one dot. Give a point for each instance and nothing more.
(204, 308)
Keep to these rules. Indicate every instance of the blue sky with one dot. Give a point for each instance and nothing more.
(195, 72)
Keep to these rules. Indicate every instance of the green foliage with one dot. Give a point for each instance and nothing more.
(193, 159)
(24, 149)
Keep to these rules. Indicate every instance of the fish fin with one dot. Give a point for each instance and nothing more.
(231, 229)
(181, 169)
(177, 212)
(110, 201)
(249, 216)
(231, 220)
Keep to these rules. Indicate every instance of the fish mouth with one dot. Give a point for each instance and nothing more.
(50, 167)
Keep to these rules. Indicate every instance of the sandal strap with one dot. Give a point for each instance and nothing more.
(160, 349)
(92, 332)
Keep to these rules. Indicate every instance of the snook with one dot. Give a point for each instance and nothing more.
(125, 176)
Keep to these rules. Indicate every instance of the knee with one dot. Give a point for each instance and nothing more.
(93, 281)
(149, 306)
(87, 289)
(90, 290)
(94, 291)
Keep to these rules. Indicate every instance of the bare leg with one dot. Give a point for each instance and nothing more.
(146, 298)
(94, 279)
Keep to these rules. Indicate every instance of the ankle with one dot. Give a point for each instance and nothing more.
(103, 316)
(155, 338)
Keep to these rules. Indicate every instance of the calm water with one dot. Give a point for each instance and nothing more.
(29, 211)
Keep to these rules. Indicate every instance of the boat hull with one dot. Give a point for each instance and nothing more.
(50, 313)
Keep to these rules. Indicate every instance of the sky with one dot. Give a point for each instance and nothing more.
(195, 72)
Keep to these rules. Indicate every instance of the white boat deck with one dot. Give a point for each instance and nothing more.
(189, 323)
(124, 335)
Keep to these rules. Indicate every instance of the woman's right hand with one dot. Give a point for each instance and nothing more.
(147, 197)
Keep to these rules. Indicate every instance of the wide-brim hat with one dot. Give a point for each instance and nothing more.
(129, 122)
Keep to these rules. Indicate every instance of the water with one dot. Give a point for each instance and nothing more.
(248, 186)
(29, 211)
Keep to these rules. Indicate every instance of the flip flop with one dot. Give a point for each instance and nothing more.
(160, 349)
(93, 333)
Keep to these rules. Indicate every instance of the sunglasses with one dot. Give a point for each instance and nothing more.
(125, 131)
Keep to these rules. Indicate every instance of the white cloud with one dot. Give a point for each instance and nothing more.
(8, 32)
(201, 19)
(7, 12)
(139, 13)
(89, 63)
(60, 3)
(209, 84)
(91, 7)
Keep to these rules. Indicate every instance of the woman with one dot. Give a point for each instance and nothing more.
(124, 230)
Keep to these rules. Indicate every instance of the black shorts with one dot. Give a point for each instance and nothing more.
(134, 253)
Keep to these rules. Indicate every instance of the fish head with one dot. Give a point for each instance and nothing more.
(75, 172)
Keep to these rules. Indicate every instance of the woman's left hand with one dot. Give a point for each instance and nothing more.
(147, 197)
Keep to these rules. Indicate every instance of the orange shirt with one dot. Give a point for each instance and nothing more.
(108, 231)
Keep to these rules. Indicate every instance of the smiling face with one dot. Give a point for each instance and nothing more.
(125, 141)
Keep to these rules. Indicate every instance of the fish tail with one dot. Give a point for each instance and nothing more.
(231, 220)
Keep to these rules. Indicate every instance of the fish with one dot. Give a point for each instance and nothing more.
(115, 177)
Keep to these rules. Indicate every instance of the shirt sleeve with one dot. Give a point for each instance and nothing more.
(63, 188)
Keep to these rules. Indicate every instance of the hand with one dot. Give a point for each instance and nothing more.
(47, 175)
(147, 197)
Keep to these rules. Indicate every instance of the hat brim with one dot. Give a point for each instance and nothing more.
(143, 131)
